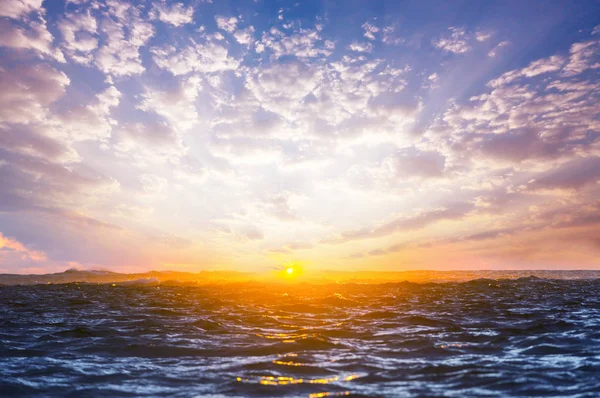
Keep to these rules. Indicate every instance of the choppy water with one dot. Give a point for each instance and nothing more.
(527, 337)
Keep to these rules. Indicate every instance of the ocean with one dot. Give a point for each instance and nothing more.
(480, 338)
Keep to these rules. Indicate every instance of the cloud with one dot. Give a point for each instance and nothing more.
(583, 56)
(123, 32)
(539, 67)
(370, 30)
(173, 241)
(10, 246)
(18, 8)
(245, 36)
(420, 220)
(555, 224)
(409, 163)
(280, 207)
(251, 234)
(80, 34)
(153, 184)
(27, 91)
(572, 175)
(361, 47)
(300, 43)
(34, 140)
(176, 14)
(493, 52)
(208, 57)
(287, 133)
(92, 121)
(533, 113)
(389, 36)
(482, 36)
(281, 87)
(176, 104)
(33, 35)
(456, 42)
(54, 184)
(155, 134)
(227, 24)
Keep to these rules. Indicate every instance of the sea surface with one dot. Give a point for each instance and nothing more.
(480, 338)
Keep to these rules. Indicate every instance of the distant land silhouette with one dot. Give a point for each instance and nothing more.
(217, 277)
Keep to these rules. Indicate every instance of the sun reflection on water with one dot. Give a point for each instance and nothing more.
(285, 380)
(329, 394)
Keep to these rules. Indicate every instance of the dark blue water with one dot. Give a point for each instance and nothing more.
(484, 338)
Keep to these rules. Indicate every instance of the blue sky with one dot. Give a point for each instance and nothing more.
(244, 135)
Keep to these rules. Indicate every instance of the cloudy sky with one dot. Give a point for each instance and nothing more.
(353, 135)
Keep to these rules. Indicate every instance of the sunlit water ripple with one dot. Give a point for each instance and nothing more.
(527, 337)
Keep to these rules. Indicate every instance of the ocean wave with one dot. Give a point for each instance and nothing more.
(484, 337)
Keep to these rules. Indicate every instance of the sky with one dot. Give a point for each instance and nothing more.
(355, 135)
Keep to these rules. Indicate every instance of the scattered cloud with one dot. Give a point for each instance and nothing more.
(176, 14)
(370, 30)
(361, 47)
(493, 52)
(289, 132)
(455, 42)
(228, 24)
(18, 8)
(573, 175)
(29, 35)
(9, 246)
(208, 57)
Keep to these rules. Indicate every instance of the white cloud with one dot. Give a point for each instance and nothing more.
(493, 52)
(27, 91)
(208, 57)
(92, 121)
(541, 111)
(281, 87)
(302, 43)
(370, 30)
(245, 36)
(361, 47)
(176, 105)
(411, 163)
(34, 36)
(535, 68)
(147, 144)
(153, 184)
(456, 42)
(583, 56)
(79, 32)
(390, 37)
(482, 36)
(124, 32)
(276, 135)
(227, 24)
(176, 14)
(17, 8)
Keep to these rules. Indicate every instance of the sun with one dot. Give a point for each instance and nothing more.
(290, 271)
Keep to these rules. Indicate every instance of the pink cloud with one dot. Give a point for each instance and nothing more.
(12, 246)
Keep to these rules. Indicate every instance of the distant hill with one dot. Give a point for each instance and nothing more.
(316, 277)
(102, 276)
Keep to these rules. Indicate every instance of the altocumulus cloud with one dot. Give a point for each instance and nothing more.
(140, 133)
